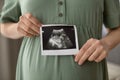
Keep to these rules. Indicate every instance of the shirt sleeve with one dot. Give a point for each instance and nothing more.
(10, 11)
(111, 16)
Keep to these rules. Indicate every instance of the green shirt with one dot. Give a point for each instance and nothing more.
(87, 15)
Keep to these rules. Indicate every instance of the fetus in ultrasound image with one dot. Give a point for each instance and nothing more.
(59, 40)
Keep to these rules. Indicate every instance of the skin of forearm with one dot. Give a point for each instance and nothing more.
(9, 30)
(112, 38)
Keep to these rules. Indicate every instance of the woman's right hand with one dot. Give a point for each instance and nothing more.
(28, 26)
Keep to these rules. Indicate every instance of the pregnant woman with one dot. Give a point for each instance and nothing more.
(23, 18)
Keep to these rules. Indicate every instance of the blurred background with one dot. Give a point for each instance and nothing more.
(9, 50)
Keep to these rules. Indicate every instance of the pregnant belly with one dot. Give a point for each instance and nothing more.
(33, 66)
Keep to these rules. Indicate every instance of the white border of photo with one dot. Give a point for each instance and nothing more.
(62, 51)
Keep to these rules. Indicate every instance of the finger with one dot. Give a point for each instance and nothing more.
(24, 33)
(25, 27)
(101, 57)
(83, 49)
(87, 54)
(29, 24)
(33, 19)
(97, 52)
(78, 55)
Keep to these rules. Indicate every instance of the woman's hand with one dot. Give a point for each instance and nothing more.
(92, 50)
(28, 26)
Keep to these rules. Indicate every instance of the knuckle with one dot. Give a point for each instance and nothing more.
(98, 42)
(28, 15)
(88, 40)
(20, 17)
(91, 39)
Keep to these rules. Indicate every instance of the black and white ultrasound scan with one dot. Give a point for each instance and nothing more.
(59, 39)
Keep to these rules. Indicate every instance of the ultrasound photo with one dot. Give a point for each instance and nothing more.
(58, 38)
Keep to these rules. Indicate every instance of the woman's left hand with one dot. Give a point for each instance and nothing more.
(92, 50)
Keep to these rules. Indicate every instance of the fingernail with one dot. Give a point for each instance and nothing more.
(90, 60)
(75, 60)
(96, 61)
(80, 63)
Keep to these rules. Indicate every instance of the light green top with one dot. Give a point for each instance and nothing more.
(87, 15)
